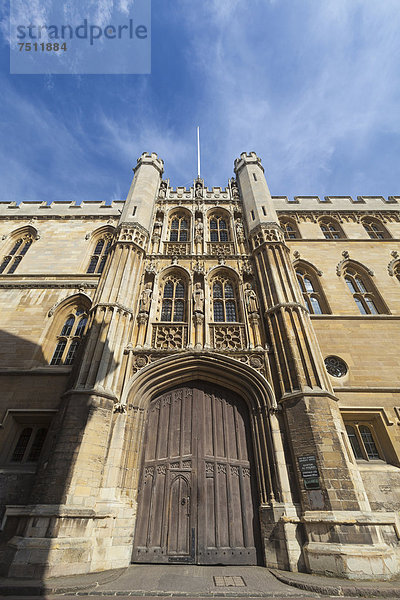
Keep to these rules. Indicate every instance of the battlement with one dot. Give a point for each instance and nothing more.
(213, 192)
(363, 203)
(150, 158)
(247, 158)
(63, 208)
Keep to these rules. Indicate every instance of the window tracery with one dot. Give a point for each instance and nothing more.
(311, 290)
(331, 229)
(70, 337)
(224, 300)
(375, 229)
(173, 308)
(19, 247)
(100, 253)
(363, 291)
(179, 228)
(290, 229)
(219, 228)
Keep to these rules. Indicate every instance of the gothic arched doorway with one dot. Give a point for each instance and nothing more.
(197, 495)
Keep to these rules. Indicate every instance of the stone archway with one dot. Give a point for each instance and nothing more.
(273, 494)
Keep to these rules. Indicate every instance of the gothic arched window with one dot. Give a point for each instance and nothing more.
(18, 247)
(219, 228)
(174, 300)
(69, 337)
(313, 295)
(179, 228)
(290, 229)
(331, 229)
(224, 301)
(100, 253)
(364, 292)
(375, 229)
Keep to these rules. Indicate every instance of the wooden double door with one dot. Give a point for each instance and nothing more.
(197, 495)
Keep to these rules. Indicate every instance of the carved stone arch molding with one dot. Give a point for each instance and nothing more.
(347, 260)
(300, 261)
(186, 367)
(100, 231)
(66, 299)
(394, 263)
(26, 229)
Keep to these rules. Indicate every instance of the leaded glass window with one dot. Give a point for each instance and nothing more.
(69, 338)
(224, 302)
(100, 253)
(179, 229)
(290, 229)
(18, 250)
(375, 229)
(174, 300)
(331, 229)
(311, 291)
(363, 291)
(219, 229)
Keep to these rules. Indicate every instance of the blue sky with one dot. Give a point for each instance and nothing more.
(312, 86)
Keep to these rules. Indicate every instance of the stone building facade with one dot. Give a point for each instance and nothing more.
(200, 376)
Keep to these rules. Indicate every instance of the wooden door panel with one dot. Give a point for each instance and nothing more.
(196, 502)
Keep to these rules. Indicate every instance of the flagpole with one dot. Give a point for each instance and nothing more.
(198, 152)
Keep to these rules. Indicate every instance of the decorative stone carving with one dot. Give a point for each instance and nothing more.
(234, 189)
(177, 248)
(157, 229)
(247, 267)
(239, 230)
(163, 189)
(251, 299)
(198, 189)
(198, 267)
(151, 267)
(145, 298)
(228, 337)
(346, 257)
(120, 408)
(198, 298)
(267, 232)
(198, 231)
(396, 258)
(220, 248)
(169, 337)
(133, 233)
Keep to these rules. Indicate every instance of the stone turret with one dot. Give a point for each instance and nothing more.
(257, 201)
(139, 204)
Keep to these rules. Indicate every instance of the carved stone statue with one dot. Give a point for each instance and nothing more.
(235, 189)
(163, 189)
(157, 228)
(239, 229)
(251, 299)
(198, 190)
(198, 298)
(145, 298)
(198, 231)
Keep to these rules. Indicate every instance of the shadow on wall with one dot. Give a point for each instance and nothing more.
(42, 424)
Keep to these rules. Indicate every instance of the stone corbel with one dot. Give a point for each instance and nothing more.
(396, 259)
